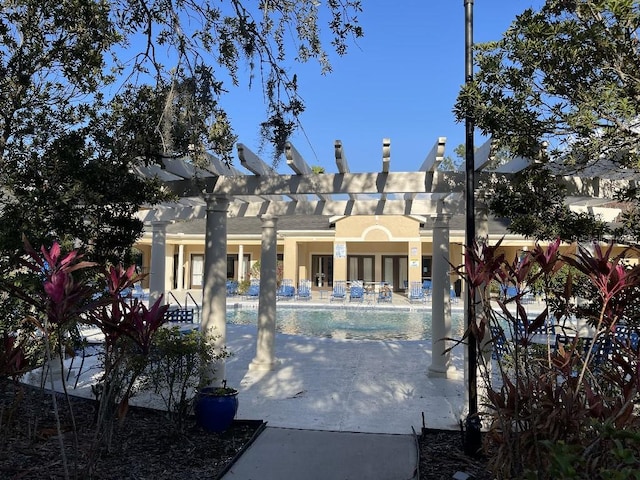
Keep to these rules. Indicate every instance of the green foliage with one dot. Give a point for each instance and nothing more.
(59, 298)
(533, 202)
(254, 272)
(177, 364)
(566, 76)
(91, 91)
(567, 73)
(612, 454)
(454, 164)
(243, 286)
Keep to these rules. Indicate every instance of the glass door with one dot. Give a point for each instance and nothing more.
(322, 270)
(361, 267)
(395, 271)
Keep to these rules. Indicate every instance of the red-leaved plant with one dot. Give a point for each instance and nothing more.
(68, 298)
(557, 409)
(128, 327)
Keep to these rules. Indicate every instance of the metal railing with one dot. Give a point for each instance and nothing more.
(195, 304)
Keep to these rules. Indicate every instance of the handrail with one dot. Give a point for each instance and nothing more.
(188, 295)
(174, 297)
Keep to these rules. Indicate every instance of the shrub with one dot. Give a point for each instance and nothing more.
(557, 411)
(177, 364)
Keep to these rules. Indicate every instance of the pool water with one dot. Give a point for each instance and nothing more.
(366, 324)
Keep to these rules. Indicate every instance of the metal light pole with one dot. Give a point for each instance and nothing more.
(472, 437)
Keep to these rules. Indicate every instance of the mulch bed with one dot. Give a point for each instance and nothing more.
(442, 456)
(145, 446)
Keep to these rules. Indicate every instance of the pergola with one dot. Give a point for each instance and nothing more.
(218, 191)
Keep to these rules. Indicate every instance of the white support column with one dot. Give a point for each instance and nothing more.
(482, 233)
(214, 292)
(265, 347)
(180, 269)
(441, 301)
(158, 270)
(482, 222)
(240, 273)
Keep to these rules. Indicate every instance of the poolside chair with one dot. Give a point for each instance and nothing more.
(499, 341)
(339, 292)
(600, 350)
(254, 290)
(304, 290)
(427, 287)
(547, 328)
(385, 294)
(179, 315)
(139, 293)
(416, 294)
(452, 295)
(626, 337)
(232, 288)
(286, 291)
(356, 293)
(508, 292)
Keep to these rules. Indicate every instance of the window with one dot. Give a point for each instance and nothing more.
(197, 270)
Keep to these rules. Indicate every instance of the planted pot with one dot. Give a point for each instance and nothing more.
(215, 408)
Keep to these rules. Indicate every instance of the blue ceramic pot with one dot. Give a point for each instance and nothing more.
(215, 408)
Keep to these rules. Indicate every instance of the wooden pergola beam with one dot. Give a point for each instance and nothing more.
(449, 204)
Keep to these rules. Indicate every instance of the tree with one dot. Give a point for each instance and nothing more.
(567, 75)
(534, 203)
(451, 164)
(90, 90)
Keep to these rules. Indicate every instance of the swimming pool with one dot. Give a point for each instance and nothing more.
(352, 324)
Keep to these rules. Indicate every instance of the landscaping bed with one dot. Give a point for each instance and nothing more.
(442, 455)
(144, 446)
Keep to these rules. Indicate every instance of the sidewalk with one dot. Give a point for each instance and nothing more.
(288, 454)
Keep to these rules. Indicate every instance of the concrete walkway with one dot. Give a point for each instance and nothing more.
(288, 454)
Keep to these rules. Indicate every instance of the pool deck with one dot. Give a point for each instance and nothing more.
(336, 384)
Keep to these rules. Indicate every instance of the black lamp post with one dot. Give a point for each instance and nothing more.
(472, 437)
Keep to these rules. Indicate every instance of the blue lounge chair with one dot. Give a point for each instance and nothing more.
(416, 293)
(339, 291)
(499, 340)
(286, 291)
(452, 295)
(427, 287)
(254, 290)
(356, 293)
(232, 288)
(304, 290)
(139, 293)
(547, 328)
(626, 337)
(508, 292)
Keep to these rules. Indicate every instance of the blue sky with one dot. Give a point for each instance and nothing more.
(400, 82)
